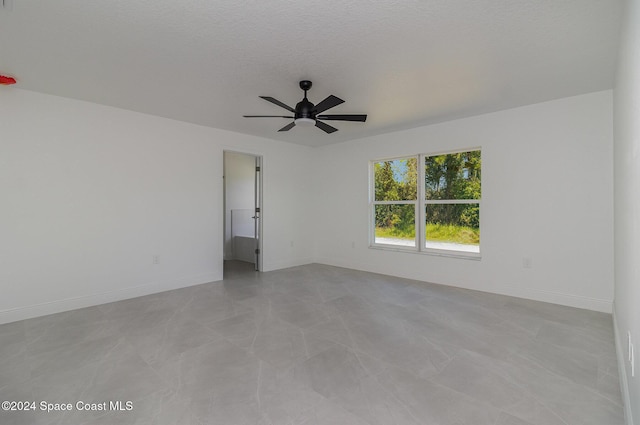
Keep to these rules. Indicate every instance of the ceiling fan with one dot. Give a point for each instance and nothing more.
(306, 113)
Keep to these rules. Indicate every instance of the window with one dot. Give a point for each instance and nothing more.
(440, 215)
(396, 201)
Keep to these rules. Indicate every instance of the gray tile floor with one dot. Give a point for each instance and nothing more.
(316, 345)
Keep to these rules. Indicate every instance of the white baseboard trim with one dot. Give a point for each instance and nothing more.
(622, 362)
(595, 304)
(58, 306)
(268, 267)
(570, 300)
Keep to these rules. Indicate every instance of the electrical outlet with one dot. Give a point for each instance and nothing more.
(527, 263)
(353, 244)
(156, 259)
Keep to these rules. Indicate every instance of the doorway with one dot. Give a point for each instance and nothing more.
(242, 211)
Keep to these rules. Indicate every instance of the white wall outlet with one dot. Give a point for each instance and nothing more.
(353, 244)
(527, 263)
(291, 243)
(156, 259)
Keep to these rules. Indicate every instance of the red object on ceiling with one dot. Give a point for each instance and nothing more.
(7, 81)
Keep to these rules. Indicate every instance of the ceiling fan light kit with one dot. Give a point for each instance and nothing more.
(305, 122)
(307, 114)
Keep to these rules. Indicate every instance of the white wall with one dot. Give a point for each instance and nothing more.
(547, 183)
(239, 191)
(90, 193)
(627, 206)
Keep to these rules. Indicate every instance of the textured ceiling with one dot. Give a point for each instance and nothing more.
(406, 63)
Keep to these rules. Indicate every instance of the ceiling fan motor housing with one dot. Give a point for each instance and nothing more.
(304, 109)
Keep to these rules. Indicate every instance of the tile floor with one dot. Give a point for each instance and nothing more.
(316, 345)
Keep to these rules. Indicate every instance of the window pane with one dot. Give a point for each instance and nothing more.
(454, 227)
(395, 224)
(396, 180)
(453, 176)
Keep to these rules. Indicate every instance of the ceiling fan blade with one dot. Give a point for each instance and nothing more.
(288, 126)
(350, 117)
(325, 127)
(277, 102)
(328, 103)
(267, 116)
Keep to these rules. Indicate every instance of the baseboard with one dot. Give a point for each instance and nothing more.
(622, 361)
(570, 300)
(58, 306)
(595, 304)
(268, 267)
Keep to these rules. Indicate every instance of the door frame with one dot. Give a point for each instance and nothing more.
(260, 192)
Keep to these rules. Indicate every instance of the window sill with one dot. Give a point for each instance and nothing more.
(433, 252)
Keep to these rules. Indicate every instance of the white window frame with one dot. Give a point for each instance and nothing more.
(420, 210)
